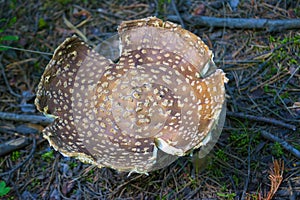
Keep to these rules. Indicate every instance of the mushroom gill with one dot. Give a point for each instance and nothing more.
(161, 100)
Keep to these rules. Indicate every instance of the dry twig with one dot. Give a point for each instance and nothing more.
(248, 172)
(6, 81)
(261, 119)
(26, 118)
(284, 144)
(177, 13)
(74, 28)
(242, 23)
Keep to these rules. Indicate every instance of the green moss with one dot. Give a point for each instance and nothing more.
(256, 196)
(285, 95)
(13, 4)
(277, 150)
(221, 155)
(215, 169)
(72, 165)
(236, 179)
(6, 38)
(225, 194)
(162, 7)
(240, 141)
(15, 155)
(48, 156)
(268, 90)
(64, 2)
(42, 23)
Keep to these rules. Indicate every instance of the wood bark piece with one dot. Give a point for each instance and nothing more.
(13, 145)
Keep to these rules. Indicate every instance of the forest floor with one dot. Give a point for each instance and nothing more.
(262, 127)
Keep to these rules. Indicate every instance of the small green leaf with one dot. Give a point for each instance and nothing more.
(3, 189)
(9, 38)
(3, 48)
(221, 194)
(42, 23)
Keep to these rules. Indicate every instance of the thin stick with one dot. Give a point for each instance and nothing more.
(242, 23)
(71, 26)
(6, 81)
(177, 13)
(26, 118)
(288, 80)
(284, 144)
(248, 172)
(261, 119)
(26, 50)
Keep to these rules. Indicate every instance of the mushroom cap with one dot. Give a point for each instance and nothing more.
(161, 100)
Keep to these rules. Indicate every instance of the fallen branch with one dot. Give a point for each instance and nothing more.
(270, 25)
(284, 144)
(261, 119)
(26, 118)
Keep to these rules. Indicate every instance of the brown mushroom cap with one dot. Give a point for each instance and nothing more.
(160, 101)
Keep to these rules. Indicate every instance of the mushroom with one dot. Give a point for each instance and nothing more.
(161, 100)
